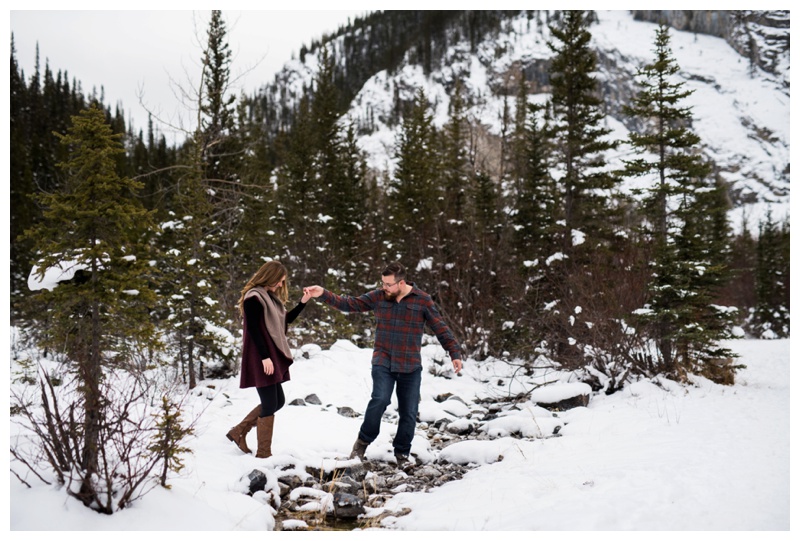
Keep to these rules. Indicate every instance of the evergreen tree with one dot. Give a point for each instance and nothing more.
(216, 106)
(199, 240)
(586, 266)
(220, 150)
(685, 218)
(455, 174)
(258, 231)
(771, 318)
(582, 138)
(21, 181)
(339, 168)
(169, 433)
(535, 209)
(191, 274)
(414, 188)
(93, 227)
(298, 191)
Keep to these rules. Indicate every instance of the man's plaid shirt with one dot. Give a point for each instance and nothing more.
(398, 336)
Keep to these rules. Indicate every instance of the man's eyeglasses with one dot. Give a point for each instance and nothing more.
(387, 286)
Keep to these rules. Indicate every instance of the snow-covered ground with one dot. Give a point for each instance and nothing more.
(653, 457)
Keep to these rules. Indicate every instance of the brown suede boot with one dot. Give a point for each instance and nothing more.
(359, 449)
(237, 433)
(264, 430)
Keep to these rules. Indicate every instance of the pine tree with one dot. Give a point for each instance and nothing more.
(455, 174)
(413, 190)
(584, 272)
(257, 229)
(95, 227)
(339, 168)
(21, 181)
(216, 106)
(191, 274)
(169, 433)
(298, 191)
(771, 317)
(685, 218)
(199, 240)
(535, 209)
(582, 138)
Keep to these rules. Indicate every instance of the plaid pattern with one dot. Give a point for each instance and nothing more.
(398, 336)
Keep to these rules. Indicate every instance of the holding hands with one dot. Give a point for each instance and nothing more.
(313, 291)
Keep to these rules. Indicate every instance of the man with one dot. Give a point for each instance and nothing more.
(401, 311)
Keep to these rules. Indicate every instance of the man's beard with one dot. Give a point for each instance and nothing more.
(390, 295)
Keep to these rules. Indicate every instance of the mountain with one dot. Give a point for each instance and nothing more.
(735, 62)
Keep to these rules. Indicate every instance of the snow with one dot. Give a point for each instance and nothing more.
(49, 279)
(742, 119)
(655, 456)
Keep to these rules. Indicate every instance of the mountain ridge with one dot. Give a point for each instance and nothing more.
(751, 154)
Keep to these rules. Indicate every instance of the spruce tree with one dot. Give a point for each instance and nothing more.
(94, 228)
(771, 317)
(298, 191)
(455, 174)
(414, 188)
(339, 168)
(199, 239)
(582, 137)
(685, 216)
(190, 278)
(535, 208)
(216, 105)
(584, 272)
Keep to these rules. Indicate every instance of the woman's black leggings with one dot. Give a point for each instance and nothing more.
(272, 399)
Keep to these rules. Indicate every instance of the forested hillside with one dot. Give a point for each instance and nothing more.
(520, 228)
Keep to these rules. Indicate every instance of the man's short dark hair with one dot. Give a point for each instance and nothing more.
(395, 269)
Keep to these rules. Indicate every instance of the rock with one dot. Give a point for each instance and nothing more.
(562, 396)
(290, 480)
(297, 402)
(429, 472)
(347, 411)
(258, 481)
(313, 399)
(347, 506)
(461, 427)
(578, 401)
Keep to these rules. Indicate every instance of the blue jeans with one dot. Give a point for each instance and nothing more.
(383, 383)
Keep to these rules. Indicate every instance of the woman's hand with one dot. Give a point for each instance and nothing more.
(306, 296)
(269, 368)
(313, 291)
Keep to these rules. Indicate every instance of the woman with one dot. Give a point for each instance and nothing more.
(266, 356)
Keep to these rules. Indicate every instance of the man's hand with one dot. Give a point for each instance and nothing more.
(457, 365)
(313, 291)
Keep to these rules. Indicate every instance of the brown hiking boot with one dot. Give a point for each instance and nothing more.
(359, 448)
(264, 427)
(238, 433)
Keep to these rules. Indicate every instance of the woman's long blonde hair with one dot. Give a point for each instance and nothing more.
(268, 275)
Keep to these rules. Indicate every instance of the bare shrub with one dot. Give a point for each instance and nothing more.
(135, 438)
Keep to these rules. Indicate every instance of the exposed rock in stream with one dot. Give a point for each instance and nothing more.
(352, 494)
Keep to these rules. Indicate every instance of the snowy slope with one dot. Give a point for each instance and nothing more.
(742, 119)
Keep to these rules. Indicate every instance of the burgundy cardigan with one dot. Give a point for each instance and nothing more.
(258, 344)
